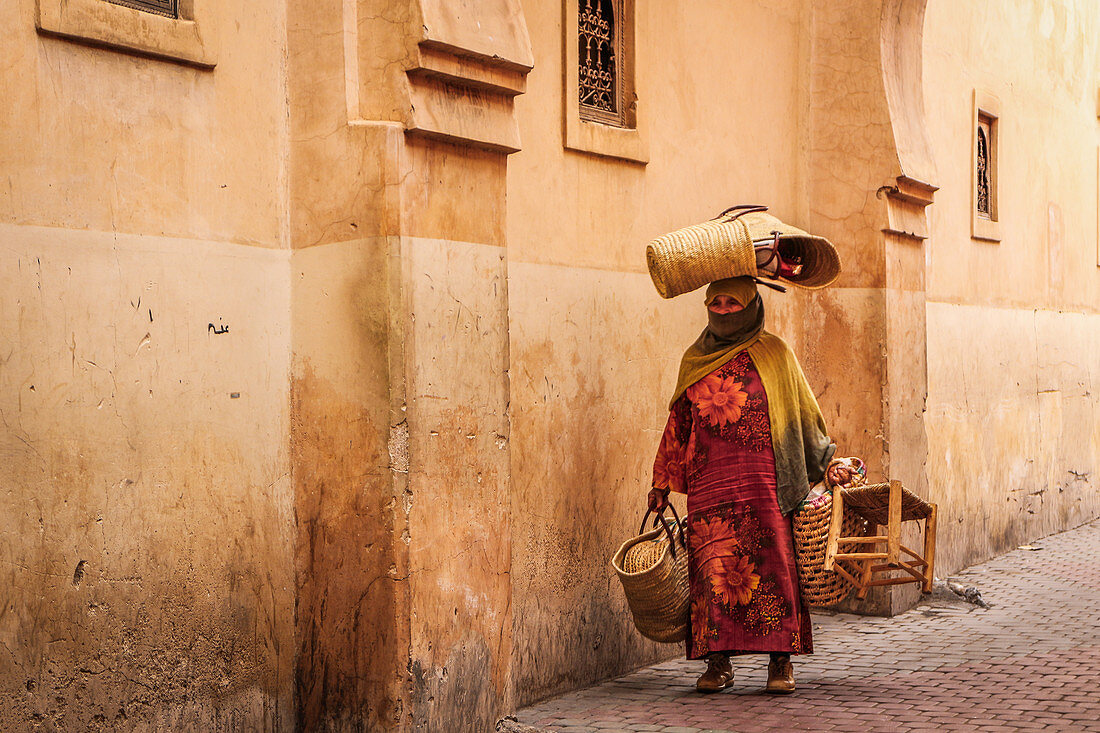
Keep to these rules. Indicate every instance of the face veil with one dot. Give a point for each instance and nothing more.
(729, 329)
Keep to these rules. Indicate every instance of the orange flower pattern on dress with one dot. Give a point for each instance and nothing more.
(725, 544)
(727, 531)
(700, 619)
(733, 581)
(765, 615)
(670, 467)
(668, 471)
(718, 399)
(710, 538)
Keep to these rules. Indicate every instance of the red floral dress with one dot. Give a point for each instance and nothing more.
(717, 449)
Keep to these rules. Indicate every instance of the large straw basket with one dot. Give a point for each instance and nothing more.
(810, 525)
(694, 256)
(653, 568)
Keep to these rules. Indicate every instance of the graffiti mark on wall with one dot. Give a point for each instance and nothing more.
(219, 329)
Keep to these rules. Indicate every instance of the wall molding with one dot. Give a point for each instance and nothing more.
(470, 64)
(902, 48)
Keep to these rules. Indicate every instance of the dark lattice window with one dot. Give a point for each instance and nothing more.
(983, 199)
(600, 75)
(169, 8)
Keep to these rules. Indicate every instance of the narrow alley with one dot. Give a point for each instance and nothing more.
(1031, 661)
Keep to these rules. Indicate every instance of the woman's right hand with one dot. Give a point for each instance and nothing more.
(658, 499)
(839, 474)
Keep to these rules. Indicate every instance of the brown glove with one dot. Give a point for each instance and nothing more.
(658, 499)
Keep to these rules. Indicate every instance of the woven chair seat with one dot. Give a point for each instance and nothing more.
(872, 502)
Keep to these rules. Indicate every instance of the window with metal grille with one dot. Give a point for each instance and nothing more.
(985, 136)
(599, 61)
(983, 199)
(167, 8)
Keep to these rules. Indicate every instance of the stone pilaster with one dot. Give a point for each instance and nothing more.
(401, 126)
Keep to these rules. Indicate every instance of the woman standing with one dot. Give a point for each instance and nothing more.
(744, 440)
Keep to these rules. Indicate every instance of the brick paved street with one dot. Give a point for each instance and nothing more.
(1030, 662)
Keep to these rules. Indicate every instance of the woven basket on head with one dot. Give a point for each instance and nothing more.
(653, 568)
(694, 256)
(689, 258)
(810, 525)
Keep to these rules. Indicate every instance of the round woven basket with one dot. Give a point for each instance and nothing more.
(653, 568)
(819, 258)
(820, 587)
(810, 526)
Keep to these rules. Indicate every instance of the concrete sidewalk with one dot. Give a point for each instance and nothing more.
(1030, 662)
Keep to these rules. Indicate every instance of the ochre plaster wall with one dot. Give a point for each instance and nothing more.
(1013, 417)
(146, 511)
(386, 497)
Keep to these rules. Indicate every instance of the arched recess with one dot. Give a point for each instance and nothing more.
(902, 45)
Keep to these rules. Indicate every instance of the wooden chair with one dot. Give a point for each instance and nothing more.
(882, 505)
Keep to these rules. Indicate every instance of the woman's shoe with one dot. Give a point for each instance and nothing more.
(780, 676)
(719, 674)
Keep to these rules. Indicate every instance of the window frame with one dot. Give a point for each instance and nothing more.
(605, 138)
(620, 117)
(188, 38)
(986, 113)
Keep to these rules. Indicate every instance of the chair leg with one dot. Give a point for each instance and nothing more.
(865, 577)
(893, 526)
(929, 550)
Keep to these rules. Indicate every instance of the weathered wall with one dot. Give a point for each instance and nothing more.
(145, 503)
(1013, 416)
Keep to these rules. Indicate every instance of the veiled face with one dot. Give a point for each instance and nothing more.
(724, 304)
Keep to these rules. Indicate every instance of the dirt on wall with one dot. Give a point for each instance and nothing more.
(351, 582)
(141, 603)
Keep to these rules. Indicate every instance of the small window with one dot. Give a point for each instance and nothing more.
(600, 41)
(167, 8)
(600, 92)
(984, 213)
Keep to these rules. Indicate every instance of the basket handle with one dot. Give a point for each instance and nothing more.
(735, 212)
(741, 210)
(660, 519)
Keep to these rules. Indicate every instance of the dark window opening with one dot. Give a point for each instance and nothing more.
(983, 198)
(600, 38)
(167, 8)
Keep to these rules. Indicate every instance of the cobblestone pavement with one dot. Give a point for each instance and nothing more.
(1029, 662)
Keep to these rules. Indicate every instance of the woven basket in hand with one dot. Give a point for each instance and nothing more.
(653, 568)
(811, 534)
